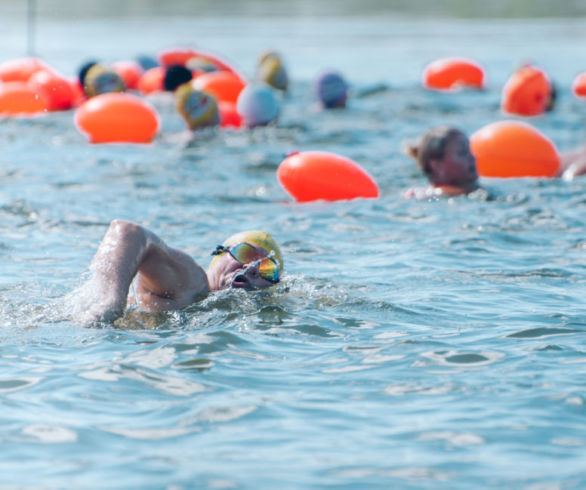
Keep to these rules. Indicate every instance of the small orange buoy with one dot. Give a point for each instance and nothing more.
(453, 73)
(180, 56)
(313, 175)
(17, 98)
(579, 85)
(20, 69)
(527, 92)
(223, 85)
(229, 117)
(129, 71)
(152, 80)
(117, 118)
(56, 90)
(514, 149)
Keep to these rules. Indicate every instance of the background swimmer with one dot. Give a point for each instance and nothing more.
(445, 158)
(169, 279)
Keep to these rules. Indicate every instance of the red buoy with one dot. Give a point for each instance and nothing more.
(453, 73)
(117, 118)
(527, 92)
(223, 85)
(514, 149)
(313, 175)
(17, 98)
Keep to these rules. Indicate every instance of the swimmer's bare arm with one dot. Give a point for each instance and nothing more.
(167, 278)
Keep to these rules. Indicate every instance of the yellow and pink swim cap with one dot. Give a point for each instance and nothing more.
(260, 239)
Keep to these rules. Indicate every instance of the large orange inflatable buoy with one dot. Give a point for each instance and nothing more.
(453, 73)
(117, 118)
(17, 98)
(20, 69)
(527, 92)
(579, 85)
(57, 90)
(514, 149)
(223, 85)
(152, 80)
(312, 175)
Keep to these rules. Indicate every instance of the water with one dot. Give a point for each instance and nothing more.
(409, 345)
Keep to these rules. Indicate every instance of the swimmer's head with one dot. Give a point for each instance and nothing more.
(331, 90)
(249, 260)
(271, 71)
(100, 80)
(198, 109)
(444, 157)
(175, 76)
(257, 105)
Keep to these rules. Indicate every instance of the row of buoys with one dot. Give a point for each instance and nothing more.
(527, 92)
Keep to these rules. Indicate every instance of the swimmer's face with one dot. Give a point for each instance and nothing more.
(458, 166)
(227, 272)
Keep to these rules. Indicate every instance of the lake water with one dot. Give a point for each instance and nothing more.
(409, 345)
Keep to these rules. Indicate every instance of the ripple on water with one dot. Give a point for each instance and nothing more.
(542, 333)
(463, 359)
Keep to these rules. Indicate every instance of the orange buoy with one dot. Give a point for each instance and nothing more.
(176, 56)
(20, 69)
(152, 80)
(17, 98)
(229, 117)
(117, 118)
(180, 56)
(453, 73)
(56, 90)
(527, 92)
(129, 71)
(223, 85)
(579, 85)
(514, 149)
(313, 175)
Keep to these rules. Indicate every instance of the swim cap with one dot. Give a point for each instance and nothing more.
(331, 89)
(258, 238)
(257, 105)
(199, 109)
(100, 80)
(175, 76)
(272, 72)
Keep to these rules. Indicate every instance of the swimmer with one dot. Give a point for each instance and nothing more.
(271, 70)
(198, 109)
(445, 158)
(169, 279)
(331, 90)
(100, 80)
(175, 76)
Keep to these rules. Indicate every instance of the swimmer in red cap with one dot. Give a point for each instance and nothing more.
(445, 158)
(169, 279)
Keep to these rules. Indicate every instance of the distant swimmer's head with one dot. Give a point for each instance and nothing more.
(100, 80)
(257, 105)
(271, 71)
(248, 260)
(175, 76)
(331, 90)
(199, 64)
(445, 158)
(83, 69)
(198, 109)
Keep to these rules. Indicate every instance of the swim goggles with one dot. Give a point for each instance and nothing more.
(245, 253)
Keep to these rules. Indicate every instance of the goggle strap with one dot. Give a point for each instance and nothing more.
(220, 249)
